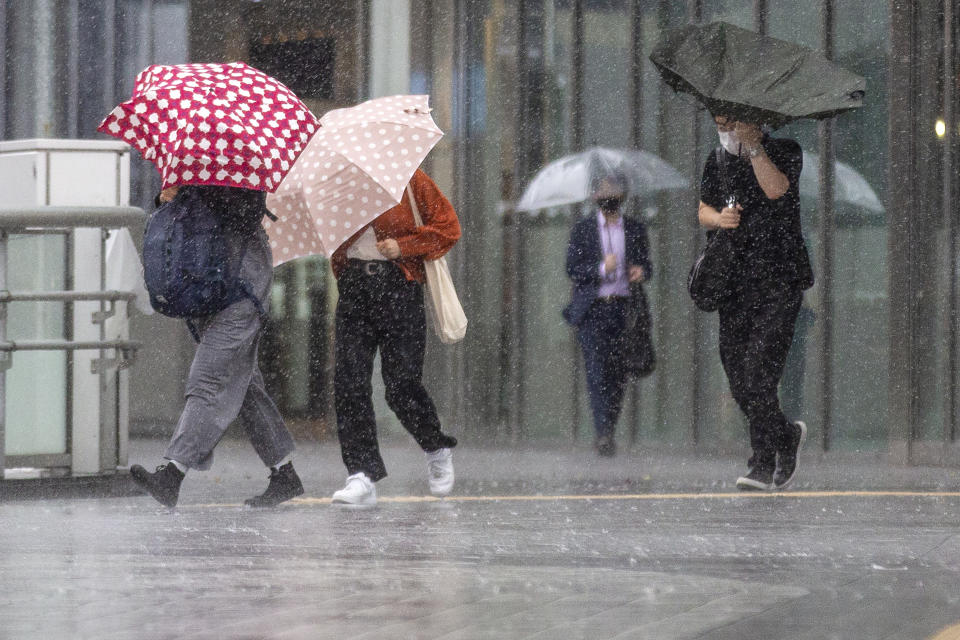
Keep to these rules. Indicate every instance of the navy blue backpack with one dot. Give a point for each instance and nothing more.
(188, 268)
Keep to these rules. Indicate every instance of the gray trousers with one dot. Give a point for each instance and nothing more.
(225, 381)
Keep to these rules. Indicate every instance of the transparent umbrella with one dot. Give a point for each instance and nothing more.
(850, 185)
(569, 179)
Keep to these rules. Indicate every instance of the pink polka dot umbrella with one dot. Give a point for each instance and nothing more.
(355, 168)
(213, 124)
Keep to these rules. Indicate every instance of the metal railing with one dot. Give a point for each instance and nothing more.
(46, 220)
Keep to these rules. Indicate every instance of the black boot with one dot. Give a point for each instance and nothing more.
(164, 485)
(284, 484)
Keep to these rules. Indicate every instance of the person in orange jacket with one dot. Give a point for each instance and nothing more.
(380, 278)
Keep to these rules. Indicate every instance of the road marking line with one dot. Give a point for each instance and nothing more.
(950, 633)
(637, 496)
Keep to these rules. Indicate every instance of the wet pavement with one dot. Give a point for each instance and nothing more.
(534, 544)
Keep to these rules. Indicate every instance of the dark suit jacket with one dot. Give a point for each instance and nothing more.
(584, 255)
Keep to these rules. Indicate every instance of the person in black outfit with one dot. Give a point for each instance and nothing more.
(752, 187)
(380, 275)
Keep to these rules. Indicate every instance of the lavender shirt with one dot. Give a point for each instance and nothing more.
(613, 240)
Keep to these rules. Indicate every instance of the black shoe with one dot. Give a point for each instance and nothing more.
(284, 484)
(164, 485)
(787, 458)
(757, 479)
(606, 446)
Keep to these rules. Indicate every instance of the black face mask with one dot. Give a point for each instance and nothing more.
(609, 205)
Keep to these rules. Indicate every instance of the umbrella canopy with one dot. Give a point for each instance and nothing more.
(850, 186)
(570, 179)
(752, 77)
(213, 124)
(355, 168)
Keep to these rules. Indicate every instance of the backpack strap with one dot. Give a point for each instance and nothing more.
(193, 330)
(248, 292)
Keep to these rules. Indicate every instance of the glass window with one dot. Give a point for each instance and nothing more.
(36, 392)
(860, 304)
(738, 12)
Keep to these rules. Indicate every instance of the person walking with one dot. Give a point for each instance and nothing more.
(607, 253)
(380, 278)
(751, 187)
(225, 383)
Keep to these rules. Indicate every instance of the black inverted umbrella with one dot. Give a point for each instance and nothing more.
(752, 77)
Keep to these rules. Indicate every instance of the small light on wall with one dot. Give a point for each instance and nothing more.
(941, 128)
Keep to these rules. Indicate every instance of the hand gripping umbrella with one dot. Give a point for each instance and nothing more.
(213, 124)
(752, 77)
(355, 168)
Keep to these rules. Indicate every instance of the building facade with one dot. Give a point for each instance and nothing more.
(515, 84)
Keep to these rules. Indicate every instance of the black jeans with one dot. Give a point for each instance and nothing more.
(756, 329)
(380, 310)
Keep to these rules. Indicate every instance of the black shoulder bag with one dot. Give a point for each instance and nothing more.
(710, 281)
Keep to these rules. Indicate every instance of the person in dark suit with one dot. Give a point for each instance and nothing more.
(607, 253)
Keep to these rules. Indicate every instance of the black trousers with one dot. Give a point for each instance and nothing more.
(756, 329)
(380, 310)
(601, 337)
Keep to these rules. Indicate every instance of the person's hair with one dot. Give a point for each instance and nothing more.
(614, 176)
(719, 114)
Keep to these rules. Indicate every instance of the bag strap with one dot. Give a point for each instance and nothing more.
(723, 168)
(413, 205)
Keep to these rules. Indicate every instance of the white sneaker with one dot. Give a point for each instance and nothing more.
(359, 491)
(440, 471)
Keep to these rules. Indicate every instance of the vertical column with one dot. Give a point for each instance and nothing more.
(4, 356)
(86, 422)
(109, 79)
(676, 241)
(695, 16)
(362, 9)
(760, 13)
(529, 156)
(72, 97)
(3, 68)
(950, 77)
(577, 124)
(464, 156)
(45, 69)
(30, 106)
(826, 231)
(902, 153)
(636, 133)
(389, 45)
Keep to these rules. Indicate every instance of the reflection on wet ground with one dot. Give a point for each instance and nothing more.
(693, 561)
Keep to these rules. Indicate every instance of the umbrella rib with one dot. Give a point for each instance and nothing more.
(348, 162)
(789, 73)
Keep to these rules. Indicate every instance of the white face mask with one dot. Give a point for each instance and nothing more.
(730, 142)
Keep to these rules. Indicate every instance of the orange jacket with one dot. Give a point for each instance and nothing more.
(440, 230)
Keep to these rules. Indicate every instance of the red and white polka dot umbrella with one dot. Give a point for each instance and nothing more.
(355, 168)
(215, 124)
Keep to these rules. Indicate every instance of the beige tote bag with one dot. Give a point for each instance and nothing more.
(446, 314)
